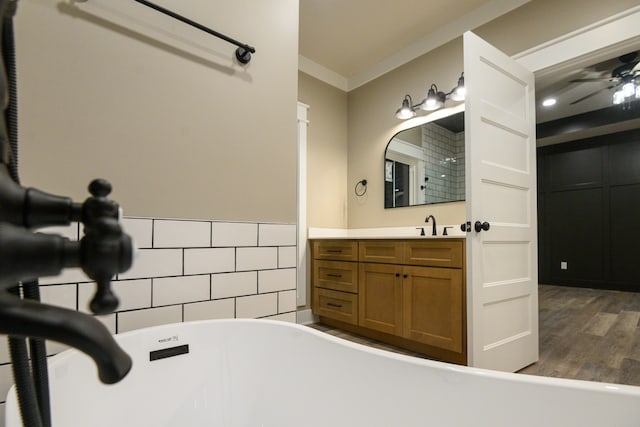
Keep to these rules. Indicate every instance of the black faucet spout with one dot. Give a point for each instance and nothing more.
(24, 318)
(433, 224)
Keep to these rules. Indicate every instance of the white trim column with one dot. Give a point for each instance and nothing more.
(301, 294)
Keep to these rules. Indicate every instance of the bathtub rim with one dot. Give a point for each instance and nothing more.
(11, 404)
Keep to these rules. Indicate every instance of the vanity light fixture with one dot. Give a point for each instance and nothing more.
(459, 92)
(434, 100)
(407, 110)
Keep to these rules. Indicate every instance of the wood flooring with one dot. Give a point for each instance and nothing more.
(585, 334)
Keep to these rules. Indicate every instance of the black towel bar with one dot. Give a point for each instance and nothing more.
(244, 51)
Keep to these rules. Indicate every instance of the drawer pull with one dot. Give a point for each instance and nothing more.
(334, 251)
(331, 304)
(337, 276)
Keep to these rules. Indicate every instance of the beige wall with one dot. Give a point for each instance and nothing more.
(372, 106)
(112, 89)
(372, 123)
(326, 152)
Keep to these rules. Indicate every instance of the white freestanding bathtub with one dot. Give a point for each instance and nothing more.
(268, 373)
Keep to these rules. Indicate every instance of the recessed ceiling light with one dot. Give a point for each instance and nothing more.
(548, 102)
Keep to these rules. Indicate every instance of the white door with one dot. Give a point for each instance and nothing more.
(502, 269)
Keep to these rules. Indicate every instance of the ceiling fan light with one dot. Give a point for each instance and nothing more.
(618, 97)
(628, 89)
(549, 102)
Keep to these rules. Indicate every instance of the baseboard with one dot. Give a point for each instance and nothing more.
(306, 317)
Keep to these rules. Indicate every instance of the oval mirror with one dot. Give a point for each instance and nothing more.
(425, 164)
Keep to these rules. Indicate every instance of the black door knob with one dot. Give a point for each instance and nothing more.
(479, 226)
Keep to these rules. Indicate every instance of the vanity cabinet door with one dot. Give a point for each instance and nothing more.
(380, 297)
(433, 306)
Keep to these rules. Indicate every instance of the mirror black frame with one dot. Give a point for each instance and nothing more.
(443, 165)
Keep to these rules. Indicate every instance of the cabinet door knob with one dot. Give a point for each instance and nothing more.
(405, 276)
(397, 274)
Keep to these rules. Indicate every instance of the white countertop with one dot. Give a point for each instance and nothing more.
(386, 233)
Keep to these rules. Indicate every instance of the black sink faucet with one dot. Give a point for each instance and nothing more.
(433, 224)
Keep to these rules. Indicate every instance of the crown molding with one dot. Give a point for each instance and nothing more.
(471, 20)
(322, 73)
(433, 40)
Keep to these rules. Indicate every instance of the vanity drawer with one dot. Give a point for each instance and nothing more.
(383, 251)
(336, 305)
(434, 253)
(336, 275)
(339, 250)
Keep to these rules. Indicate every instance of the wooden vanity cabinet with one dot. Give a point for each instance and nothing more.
(409, 293)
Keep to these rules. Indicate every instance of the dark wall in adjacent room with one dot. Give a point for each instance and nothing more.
(589, 212)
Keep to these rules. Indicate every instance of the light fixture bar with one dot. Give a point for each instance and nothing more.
(434, 100)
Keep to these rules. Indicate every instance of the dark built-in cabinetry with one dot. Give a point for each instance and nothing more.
(589, 212)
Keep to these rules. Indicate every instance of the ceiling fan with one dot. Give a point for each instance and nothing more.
(625, 76)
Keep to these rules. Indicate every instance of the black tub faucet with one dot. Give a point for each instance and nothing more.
(23, 318)
(433, 224)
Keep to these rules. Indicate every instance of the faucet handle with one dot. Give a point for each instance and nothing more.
(106, 251)
(98, 206)
(100, 188)
(104, 301)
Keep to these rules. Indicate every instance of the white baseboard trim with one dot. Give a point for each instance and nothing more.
(306, 317)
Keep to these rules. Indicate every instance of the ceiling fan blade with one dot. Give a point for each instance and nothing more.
(598, 79)
(592, 94)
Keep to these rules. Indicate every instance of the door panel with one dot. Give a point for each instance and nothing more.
(501, 189)
(625, 208)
